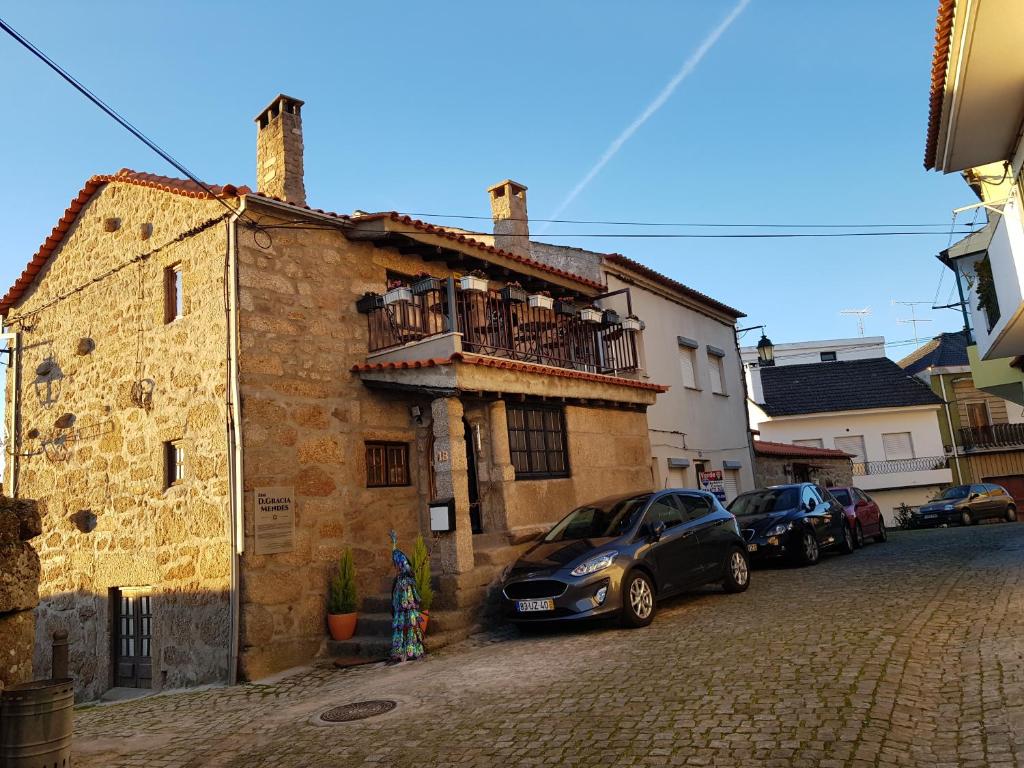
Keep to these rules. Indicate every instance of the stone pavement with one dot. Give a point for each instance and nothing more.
(905, 653)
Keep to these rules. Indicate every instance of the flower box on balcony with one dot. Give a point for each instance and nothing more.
(610, 317)
(565, 308)
(473, 283)
(398, 294)
(590, 315)
(540, 301)
(369, 302)
(632, 324)
(513, 294)
(426, 285)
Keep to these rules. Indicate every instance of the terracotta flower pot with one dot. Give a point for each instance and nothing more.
(341, 625)
(424, 620)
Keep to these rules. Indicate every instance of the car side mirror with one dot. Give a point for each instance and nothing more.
(811, 504)
(973, 496)
(657, 530)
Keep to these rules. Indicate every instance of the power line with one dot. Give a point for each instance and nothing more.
(110, 111)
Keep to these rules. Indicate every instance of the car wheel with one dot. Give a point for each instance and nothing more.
(1011, 513)
(638, 606)
(858, 536)
(965, 518)
(737, 571)
(882, 535)
(846, 542)
(808, 552)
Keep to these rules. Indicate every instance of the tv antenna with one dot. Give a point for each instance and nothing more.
(914, 319)
(860, 314)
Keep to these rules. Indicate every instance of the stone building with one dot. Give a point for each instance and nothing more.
(781, 463)
(214, 393)
(19, 589)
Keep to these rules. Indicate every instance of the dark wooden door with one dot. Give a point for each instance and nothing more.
(132, 637)
(475, 518)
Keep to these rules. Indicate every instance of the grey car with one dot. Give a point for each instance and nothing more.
(615, 558)
(966, 504)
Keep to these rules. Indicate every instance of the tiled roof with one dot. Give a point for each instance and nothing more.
(946, 349)
(846, 385)
(446, 232)
(182, 187)
(650, 274)
(508, 365)
(940, 65)
(787, 450)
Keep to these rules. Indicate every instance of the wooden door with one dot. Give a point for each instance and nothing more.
(132, 637)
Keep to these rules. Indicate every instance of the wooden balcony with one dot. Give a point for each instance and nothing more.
(992, 437)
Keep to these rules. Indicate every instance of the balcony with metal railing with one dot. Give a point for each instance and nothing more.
(992, 437)
(900, 473)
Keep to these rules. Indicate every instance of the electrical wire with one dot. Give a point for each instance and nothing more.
(674, 224)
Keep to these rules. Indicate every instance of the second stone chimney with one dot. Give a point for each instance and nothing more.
(511, 223)
(279, 170)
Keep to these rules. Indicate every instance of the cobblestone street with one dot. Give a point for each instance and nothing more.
(905, 653)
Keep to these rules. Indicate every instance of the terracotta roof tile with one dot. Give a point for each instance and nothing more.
(446, 232)
(650, 274)
(182, 187)
(509, 365)
(787, 450)
(940, 66)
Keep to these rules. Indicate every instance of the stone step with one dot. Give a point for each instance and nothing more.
(372, 646)
(376, 604)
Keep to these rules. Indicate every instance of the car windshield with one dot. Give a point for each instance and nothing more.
(602, 519)
(956, 492)
(763, 502)
(842, 495)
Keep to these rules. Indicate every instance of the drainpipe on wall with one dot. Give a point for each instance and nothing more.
(235, 491)
(11, 458)
(952, 434)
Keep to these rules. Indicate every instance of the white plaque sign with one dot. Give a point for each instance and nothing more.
(275, 520)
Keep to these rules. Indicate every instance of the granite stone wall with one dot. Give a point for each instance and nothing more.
(19, 588)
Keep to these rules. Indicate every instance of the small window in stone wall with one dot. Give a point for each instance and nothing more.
(387, 465)
(536, 436)
(174, 462)
(174, 298)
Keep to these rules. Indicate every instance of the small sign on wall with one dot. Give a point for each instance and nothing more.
(275, 520)
(712, 481)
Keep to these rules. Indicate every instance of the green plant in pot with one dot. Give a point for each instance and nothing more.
(343, 599)
(421, 573)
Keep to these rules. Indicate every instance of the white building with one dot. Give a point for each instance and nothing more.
(826, 351)
(869, 408)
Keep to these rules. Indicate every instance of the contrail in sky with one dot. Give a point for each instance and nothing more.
(654, 106)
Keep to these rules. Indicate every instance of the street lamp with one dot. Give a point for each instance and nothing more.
(765, 351)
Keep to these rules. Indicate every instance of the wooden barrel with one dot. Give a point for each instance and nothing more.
(36, 723)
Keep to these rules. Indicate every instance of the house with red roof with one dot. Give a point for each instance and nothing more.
(216, 390)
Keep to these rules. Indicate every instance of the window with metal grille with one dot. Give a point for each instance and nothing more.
(174, 462)
(387, 465)
(174, 298)
(536, 436)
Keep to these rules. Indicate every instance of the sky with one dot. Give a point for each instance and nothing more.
(796, 112)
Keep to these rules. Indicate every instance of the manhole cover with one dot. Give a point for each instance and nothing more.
(360, 710)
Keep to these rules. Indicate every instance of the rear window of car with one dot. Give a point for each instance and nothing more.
(763, 502)
(842, 495)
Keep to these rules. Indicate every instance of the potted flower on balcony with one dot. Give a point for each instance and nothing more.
(541, 300)
(632, 323)
(342, 599)
(513, 293)
(369, 302)
(610, 317)
(398, 292)
(565, 307)
(474, 281)
(421, 574)
(590, 315)
(425, 283)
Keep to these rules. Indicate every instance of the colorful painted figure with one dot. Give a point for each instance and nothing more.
(406, 619)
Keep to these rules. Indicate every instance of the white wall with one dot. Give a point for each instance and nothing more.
(796, 353)
(1006, 256)
(715, 426)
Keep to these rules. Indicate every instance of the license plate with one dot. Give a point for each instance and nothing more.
(525, 606)
(930, 517)
(751, 547)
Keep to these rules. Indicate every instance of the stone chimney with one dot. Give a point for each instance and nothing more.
(511, 223)
(279, 150)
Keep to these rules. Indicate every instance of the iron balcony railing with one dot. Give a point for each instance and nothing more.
(992, 436)
(491, 325)
(892, 466)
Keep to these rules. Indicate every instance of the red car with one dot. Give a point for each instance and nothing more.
(862, 514)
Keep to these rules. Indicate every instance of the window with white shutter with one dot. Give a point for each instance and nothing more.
(854, 445)
(717, 375)
(897, 445)
(689, 364)
(815, 442)
(731, 480)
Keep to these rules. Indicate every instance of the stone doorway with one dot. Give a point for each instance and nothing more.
(131, 638)
(475, 518)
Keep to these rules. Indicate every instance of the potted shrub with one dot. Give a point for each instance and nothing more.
(513, 293)
(342, 599)
(424, 283)
(542, 300)
(564, 306)
(632, 323)
(369, 302)
(421, 573)
(474, 281)
(590, 315)
(398, 292)
(610, 317)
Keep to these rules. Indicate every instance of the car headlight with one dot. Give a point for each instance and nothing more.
(949, 507)
(595, 564)
(778, 530)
